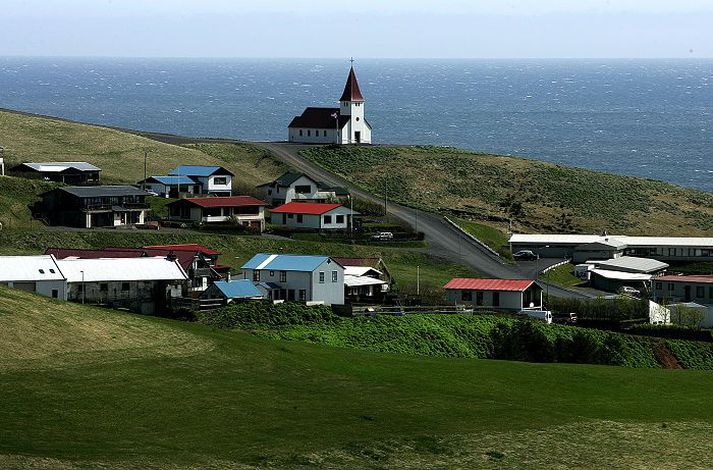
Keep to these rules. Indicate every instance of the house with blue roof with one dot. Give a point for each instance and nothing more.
(213, 180)
(232, 290)
(170, 185)
(298, 278)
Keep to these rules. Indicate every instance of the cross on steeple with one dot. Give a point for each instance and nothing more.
(351, 60)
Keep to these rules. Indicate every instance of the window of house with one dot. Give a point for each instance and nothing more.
(327, 219)
(303, 295)
(272, 273)
(42, 271)
(335, 276)
(710, 292)
(325, 133)
(466, 295)
(340, 219)
(700, 291)
(52, 270)
(309, 133)
(299, 218)
(290, 216)
(321, 277)
(300, 132)
(256, 276)
(103, 287)
(479, 298)
(659, 285)
(496, 299)
(670, 286)
(220, 180)
(125, 286)
(303, 189)
(283, 276)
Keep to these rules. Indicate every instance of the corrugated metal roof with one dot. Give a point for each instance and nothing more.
(121, 269)
(171, 179)
(360, 270)
(634, 264)
(306, 263)
(222, 201)
(309, 208)
(198, 170)
(185, 258)
(103, 191)
(356, 281)
(185, 247)
(512, 285)
(30, 268)
(693, 279)
(57, 167)
(238, 289)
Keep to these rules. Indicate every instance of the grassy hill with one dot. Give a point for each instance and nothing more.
(120, 155)
(536, 196)
(84, 387)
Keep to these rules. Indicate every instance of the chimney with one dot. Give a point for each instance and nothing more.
(228, 277)
(171, 256)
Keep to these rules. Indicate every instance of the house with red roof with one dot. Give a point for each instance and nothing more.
(313, 216)
(497, 294)
(245, 210)
(343, 125)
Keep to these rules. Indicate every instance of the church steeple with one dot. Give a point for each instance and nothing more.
(351, 89)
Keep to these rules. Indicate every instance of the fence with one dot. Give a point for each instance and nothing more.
(196, 305)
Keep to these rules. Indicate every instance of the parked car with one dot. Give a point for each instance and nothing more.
(628, 290)
(383, 236)
(566, 318)
(544, 315)
(525, 255)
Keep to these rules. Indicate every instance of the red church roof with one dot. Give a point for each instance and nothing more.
(511, 285)
(310, 208)
(351, 89)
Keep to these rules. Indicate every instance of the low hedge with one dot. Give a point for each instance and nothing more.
(673, 332)
(266, 315)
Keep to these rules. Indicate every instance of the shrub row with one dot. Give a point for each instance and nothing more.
(673, 332)
(618, 309)
(266, 315)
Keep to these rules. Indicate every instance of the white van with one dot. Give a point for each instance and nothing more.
(544, 315)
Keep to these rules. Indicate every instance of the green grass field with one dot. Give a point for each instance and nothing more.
(495, 238)
(88, 388)
(536, 196)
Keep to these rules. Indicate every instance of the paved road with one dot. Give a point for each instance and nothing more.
(444, 240)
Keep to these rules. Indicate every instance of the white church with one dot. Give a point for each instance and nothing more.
(343, 125)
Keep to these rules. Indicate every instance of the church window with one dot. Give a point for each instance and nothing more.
(309, 133)
(325, 133)
(300, 132)
(357, 118)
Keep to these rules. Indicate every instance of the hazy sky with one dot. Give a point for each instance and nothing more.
(366, 28)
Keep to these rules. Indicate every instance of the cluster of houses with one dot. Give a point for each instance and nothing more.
(151, 279)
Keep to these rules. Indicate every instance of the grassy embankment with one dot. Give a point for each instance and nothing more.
(536, 196)
(86, 388)
(121, 156)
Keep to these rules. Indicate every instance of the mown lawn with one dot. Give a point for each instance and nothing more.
(226, 399)
(495, 238)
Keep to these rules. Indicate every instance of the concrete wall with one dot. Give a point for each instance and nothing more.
(41, 287)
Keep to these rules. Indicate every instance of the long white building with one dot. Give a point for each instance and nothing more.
(583, 247)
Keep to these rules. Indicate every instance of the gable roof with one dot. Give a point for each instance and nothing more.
(169, 179)
(319, 118)
(58, 167)
(121, 269)
(510, 285)
(223, 201)
(632, 264)
(351, 88)
(185, 247)
(361, 262)
(30, 268)
(308, 208)
(274, 262)
(286, 179)
(101, 191)
(199, 170)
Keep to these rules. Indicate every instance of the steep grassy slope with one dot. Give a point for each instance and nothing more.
(121, 155)
(217, 399)
(535, 195)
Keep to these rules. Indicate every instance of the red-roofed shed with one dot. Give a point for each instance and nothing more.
(498, 294)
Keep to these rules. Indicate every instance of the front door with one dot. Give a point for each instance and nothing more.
(357, 137)
(687, 294)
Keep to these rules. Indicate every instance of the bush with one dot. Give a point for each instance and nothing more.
(673, 332)
(617, 310)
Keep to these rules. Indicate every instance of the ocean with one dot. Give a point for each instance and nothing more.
(648, 118)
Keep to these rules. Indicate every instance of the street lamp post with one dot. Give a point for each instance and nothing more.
(84, 289)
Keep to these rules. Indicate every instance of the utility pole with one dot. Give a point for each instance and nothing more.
(84, 289)
(386, 195)
(146, 158)
(418, 280)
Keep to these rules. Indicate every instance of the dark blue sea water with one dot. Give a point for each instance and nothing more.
(651, 118)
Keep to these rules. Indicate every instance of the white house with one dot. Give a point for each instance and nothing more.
(39, 274)
(297, 277)
(313, 216)
(500, 294)
(246, 210)
(344, 125)
(143, 285)
(293, 186)
(213, 180)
